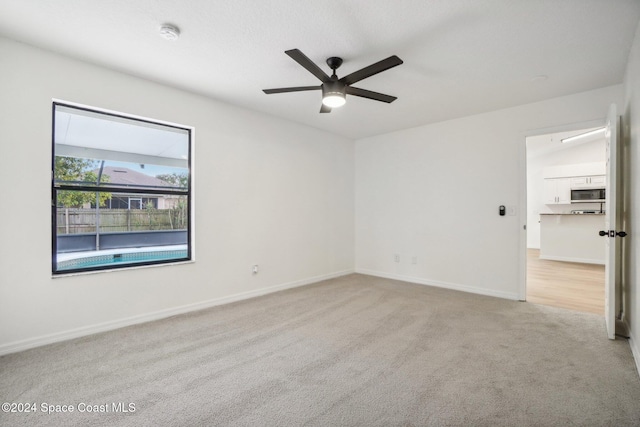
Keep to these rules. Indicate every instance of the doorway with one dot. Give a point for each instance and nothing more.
(565, 257)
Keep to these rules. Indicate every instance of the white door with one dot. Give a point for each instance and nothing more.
(609, 233)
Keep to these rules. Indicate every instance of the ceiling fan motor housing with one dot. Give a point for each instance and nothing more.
(334, 87)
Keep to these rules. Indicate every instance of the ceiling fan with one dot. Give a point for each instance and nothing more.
(334, 90)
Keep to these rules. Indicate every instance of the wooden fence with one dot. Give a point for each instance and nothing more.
(73, 221)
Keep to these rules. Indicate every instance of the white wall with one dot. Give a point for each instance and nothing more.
(433, 192)
(631, 223)
(267, 192)
(588, 152)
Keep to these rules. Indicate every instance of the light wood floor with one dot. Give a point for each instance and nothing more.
(568, 285)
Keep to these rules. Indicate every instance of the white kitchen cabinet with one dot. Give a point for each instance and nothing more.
(557, 191)
(574, 170)
(586, 182)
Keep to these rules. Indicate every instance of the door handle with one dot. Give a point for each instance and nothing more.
(612, 233)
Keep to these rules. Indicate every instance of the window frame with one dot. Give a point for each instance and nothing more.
(140, 193)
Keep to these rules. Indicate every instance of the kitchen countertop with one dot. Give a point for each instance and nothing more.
(572, 214)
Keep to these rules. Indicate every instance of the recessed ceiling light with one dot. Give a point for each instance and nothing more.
(169, 32)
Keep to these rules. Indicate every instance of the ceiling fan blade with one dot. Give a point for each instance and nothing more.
(325, 109)
(371, 70)
(291, 89)
(303, 60)
(370, 95)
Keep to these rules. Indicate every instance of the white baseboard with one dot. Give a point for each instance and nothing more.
(570, 259)
(635, 350)
(439, 284)
(26, 344)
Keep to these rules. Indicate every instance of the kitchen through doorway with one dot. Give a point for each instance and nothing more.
(566, 177)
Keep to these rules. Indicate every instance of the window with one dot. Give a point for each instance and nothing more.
(121, 191)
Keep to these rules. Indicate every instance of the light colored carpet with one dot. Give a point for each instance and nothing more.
(353, 351)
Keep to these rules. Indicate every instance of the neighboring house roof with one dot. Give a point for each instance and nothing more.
(125, 176)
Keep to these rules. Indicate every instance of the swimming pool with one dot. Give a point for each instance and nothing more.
(113, 258)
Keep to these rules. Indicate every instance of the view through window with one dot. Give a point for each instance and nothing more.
(120, 191)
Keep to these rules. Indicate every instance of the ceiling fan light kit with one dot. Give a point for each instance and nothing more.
(334, 100)
(333, 94)
(334, 90)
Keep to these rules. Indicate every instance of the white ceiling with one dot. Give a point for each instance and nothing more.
(461, 57)
(540, 145)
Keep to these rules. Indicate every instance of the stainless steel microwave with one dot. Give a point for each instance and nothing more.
(595, 195)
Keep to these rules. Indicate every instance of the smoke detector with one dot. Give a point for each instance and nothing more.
(169, 32)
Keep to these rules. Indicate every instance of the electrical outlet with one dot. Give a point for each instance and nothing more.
(396, 258)
(254, 269)
(414, 260)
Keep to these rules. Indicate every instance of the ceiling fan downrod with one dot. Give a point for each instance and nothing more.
(334, 63)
